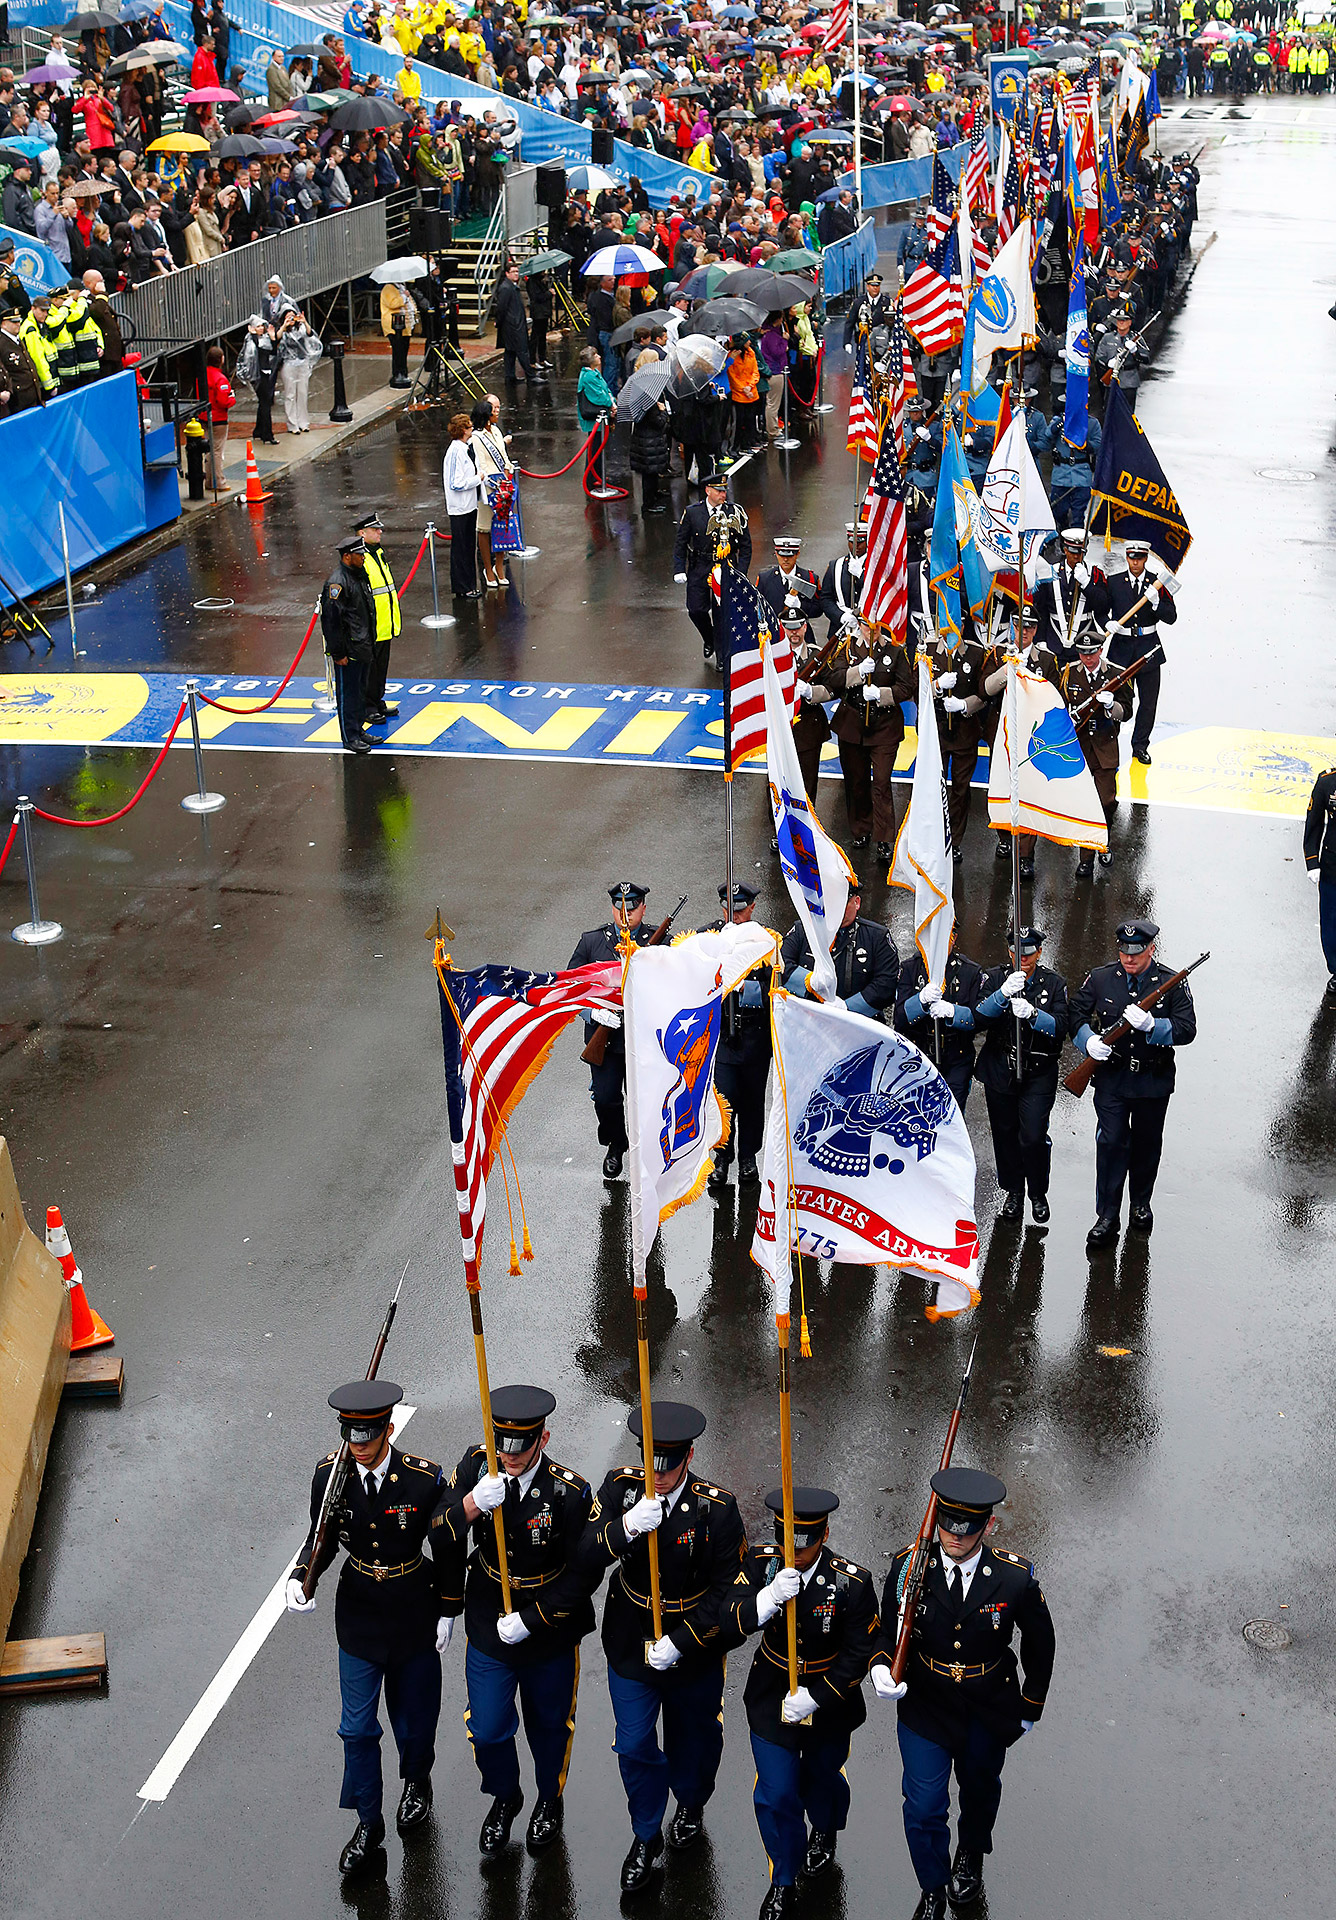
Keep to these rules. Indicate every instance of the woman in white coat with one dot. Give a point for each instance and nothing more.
(461, 504)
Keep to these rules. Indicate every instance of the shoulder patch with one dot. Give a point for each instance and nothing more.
(328, 1460)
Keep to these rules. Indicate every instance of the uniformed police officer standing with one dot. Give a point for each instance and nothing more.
(1097, 715)
(939, 1019)
(391, 1612)
(875, 676)
(694, 551)
(702, 1546)
(348, 622)
(1021, 1006)
(533, 1650)
(866, 962)
(1072, 598)
(385, 595)
(964, 715)
(961, 1702)
(742, 1058)
(842, 582)
(800, 1741)
(1133, 1079)
(1320, 860)
(1133, 635)
(777, 584)
(607, 1083)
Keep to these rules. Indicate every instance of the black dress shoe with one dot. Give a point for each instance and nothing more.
(1084, 868)
(1142, 754)
(1027, 869)
(958, 856)
(1039, 1207)
(544, 1825)
(389, 713)
(820, 1853)
(1103, 1233)
(1142, 1219)
(966, 1877)
(361, 1851)
(1003, 847)
(860, 840)
(612, 1164)
(359, 745)
(885, 851)
(779, 1903)
(1106, 857)
(718, 1180)
(494, 1837)
(933, 1904)
(748, 1173)
(685, 1828)
(640, 1862)
(414, 1805)
(1013, 1206)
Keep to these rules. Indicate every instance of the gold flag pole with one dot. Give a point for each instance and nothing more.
(786, 1484)
(641, 1291)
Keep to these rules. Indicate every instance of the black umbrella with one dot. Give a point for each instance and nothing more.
(725, 316)
(367, 116)
(771, 292)
(236, 119)
(241, 146)
(651, 320)
(688, 93)
(89, 22)
(306, 52)
(594, 79)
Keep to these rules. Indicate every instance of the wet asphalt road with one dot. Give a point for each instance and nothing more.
(228, 1073)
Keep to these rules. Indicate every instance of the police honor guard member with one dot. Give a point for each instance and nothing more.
(607, 1083)
(874, 678)
(698, 533)
(1035, 657)
(702, 1548)
(867, 965)
(794, 593)
(390, 1612)
(348, 622)
(800, 1741)
(940, 1019)
(1320, 860)
(842, 582)
(961, 1702)
(1133, 1079)
(1025, 1005)
(1085, 686)
(1071, 599)
(964, 716)
(535, 1650)
(742, 1058)
(385, 595)
(1133, 635)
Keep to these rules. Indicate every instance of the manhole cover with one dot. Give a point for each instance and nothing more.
(1268, 1635)
(1286, 473)
(214, 606)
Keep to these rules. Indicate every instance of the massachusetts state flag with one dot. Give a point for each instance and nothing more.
(885, 597)
(1055, 789)
(934, 305)
(747, 619)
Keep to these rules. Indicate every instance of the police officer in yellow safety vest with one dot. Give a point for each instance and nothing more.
(1219, 68)
(1224, 9)
(1299, 67)
(85, 337)
(33, 334)
(385, 594)
(1319, 64)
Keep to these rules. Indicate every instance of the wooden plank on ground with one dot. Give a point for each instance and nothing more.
(94, 1376)
(67, 1663)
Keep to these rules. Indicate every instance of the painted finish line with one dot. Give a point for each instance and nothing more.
(1228, 769)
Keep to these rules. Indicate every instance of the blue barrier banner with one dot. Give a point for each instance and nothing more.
(38, 13)
(85, 453)
(899, 180)
(846, 263)
(36, 268)
(1008, 82)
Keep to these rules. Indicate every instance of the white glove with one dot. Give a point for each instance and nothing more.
(952, 705)
(797, 1707)
(1027, 1726)
(945, 682)
(663, 1654)
(886, 1688)
(1098, 1049)
(804, 689)
(680, 578)
(1105, 700)
(930, 994)
(921, 433)
(943, 1010)
(1022, 1008)
(602, 1019)
(511, 1629)
(786, 1586)
(1152, 598)
(1081, 575)
(1139, 1018)
(1315, 875)
(1014, 984)
(297, 1601)
(967, 440)
(863, 669)
(643, 1517)
(444, 1628)
(489, 1492)
(883, 696)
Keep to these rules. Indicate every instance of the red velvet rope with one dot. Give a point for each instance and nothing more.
(816, 382)
(264, 705)
(59, 820)
(9, 843)
(570, 463)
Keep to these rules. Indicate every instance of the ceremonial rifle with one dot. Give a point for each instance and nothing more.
(916, 1571)
(1079, 1078)
(338, 1473)
(1115, 366)
(1084, 710)
(597, 1044)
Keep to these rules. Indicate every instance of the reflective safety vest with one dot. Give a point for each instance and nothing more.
(62, 354)
(86, 336)
(1188, 10)
(381, 582)
(39, 353)
(1299, 60)
(1320, 60)
(1220, 57)
(1224, 9)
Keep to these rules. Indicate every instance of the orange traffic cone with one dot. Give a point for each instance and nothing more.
(255, 493)
(87, 1329)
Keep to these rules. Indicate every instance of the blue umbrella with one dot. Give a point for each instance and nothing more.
(35, 266)
(25, 143)
(623, 259)
(137, 9)
(737, 13)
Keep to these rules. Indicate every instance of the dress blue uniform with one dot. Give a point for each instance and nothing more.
(1019, 1104)
(607, 1081)
(949, 1044)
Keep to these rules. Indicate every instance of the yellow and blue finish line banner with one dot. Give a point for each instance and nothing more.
(1222, 769)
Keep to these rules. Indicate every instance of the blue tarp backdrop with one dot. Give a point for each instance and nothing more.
(901, 180)
(36, 268)
(84, 451)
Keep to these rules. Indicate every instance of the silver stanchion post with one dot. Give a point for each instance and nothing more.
(35, 932)
(69, 584)
(821, 404)
(201, 801)
(326, 702)
(435, 618)
(785, 441)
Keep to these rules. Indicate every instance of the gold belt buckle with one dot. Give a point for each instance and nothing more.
(957, 1672)
(378, 1572)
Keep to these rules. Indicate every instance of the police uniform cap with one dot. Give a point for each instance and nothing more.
(1029, 618)
(369, 520)
(676, 1426)
(1134, 936)
(1132, 547)
(625, 893)
(1031, 940)
(519, 1414)
(364, 1406)
(1072, 536)
(965, 1498)
(787, 543)
(717, 477)
(743, 895)
(353, 545)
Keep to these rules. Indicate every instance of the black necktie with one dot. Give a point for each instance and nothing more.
(955, 1586)
(369, 1486)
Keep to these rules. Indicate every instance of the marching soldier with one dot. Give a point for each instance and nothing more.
(1320, 860)
(1133, 1079)
(800, 1741)
(842, 582)
(961, 1702)
(874, 677)
(348, 622)
(742, 1058)
(866, 962)
(701, 527)
(1022, 1007)
(607, 1081)
(940, 1019)
(386, 597)
(1097, 715)
(533, 1650)
(964, 715)
(1073, 597)
(391, 1612)
(702, 1550)
(1139, 606)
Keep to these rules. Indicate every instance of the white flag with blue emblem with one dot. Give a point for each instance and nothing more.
(816, 872)
(922, 861)
(1056, 788)
(1014, 513)
(672, 1006)
(867, 1156)
(1001, 311)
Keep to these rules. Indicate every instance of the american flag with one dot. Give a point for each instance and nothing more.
(862, 434)
(902, 380)
(975, 182)
(934, 306)
(839, 26)
(503, 1026)
(747, 617)
(885, 596)
(1009, 207)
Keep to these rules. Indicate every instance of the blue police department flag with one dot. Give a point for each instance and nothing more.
(1076, 413)
(1131, 499)
(1110, 200)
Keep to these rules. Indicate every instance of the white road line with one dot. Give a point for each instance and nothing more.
(220, 1689)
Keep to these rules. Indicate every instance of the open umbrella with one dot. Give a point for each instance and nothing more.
(410, 266)
(183, 143)
(658, 318)
(588, 180)
(620, 260)
(771, 292)
(209, 96)
(281, 117)
(545, 263)
(54, 71)
(24, 146)
(306, 51)
(90, 189)
(367, 116)
(687, 93)
(702, 283)
(595, 78)
(237, 146)
(830, 137)
(89, 22)
(794, 260)
(316, 102)
(154, 53)
(274, 147)
(725, 316)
